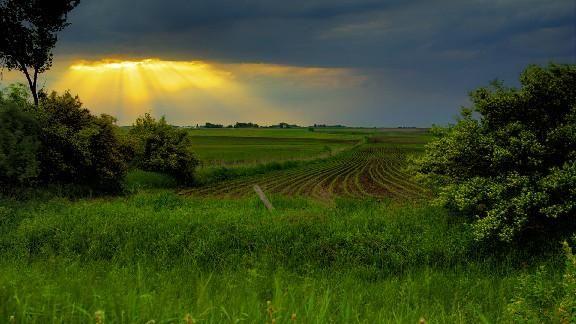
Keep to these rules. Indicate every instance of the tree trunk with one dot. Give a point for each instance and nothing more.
(32, 84)
(34, 93)
(35, 88)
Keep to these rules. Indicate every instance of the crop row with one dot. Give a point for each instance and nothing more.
(365, 172)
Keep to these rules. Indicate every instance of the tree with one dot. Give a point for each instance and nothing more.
(509, 163)
(28, 31)
(210, 125)
(58, 143)
(78, 147)
(246, 125)
(163, 148)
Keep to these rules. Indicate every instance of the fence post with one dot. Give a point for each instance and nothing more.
(262, 197)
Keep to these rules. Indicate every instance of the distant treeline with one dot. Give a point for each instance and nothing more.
(328, 126)
(283, 125)
(248, 125)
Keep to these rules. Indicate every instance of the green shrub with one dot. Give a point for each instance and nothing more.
(510, 162)
(78, 147)
(19, 141)
(163, 148)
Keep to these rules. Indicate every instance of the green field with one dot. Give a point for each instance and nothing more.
(371, 166)
(252, 146)
(372, 170)
(228, 150)
(352, 239)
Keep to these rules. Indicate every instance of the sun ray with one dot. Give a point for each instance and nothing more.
(197, 89)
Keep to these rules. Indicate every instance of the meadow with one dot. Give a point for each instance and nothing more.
(160, 256)
(351, 239)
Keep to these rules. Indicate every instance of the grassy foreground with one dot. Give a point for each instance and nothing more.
(158, 256)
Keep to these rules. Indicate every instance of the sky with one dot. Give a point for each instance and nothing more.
(354, 62)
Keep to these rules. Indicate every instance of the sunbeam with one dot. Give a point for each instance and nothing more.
(136, 86)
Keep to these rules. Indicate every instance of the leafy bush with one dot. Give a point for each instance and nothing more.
(78, 147)
(58, 142)
(163, 148)
(19, 141)
(510, 161)
(537, 301)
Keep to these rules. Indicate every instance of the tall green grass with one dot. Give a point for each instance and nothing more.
(60, 290)
(169, 230)
(136, 180)
(159, 256)
(215, 174)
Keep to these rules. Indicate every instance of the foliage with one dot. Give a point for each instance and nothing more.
(283, 125)
(245, 125)
(510, 161)
(59, 143)
(210, 125)
(541, 299)
(28, 31)
(78, 147)
(163, 148)
(19, 141)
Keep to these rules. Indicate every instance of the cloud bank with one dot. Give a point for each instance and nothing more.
(360, 62)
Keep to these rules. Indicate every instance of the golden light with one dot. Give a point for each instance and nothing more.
(135, 85)
(169, 75)
(193, 90)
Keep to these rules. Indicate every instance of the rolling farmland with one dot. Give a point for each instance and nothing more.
(368, 170)
(287, 162)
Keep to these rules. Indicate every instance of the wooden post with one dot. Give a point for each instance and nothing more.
(262, 196)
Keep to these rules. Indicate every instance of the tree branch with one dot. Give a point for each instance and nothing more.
(27, 74)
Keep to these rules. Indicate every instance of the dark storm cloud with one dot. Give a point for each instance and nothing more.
(151, 15)
(423, 55)
(325, 32)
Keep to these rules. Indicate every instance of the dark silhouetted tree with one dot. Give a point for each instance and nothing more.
(28, 31)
